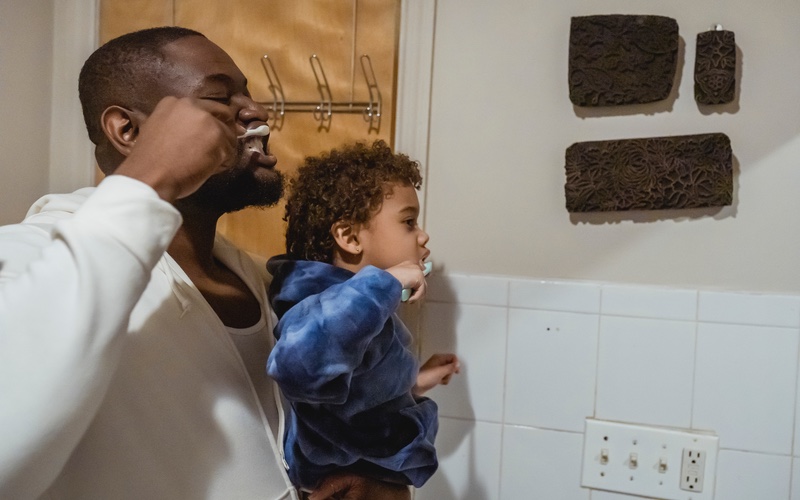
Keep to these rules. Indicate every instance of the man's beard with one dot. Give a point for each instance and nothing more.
(236, 189)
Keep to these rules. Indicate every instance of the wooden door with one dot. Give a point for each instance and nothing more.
(289, 32)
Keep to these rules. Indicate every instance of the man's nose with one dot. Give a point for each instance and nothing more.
(252, 111)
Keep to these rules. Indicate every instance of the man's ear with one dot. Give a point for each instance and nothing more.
(345, 235)
(121, 127)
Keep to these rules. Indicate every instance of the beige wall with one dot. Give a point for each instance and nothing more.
(501, 120)
(26, 60)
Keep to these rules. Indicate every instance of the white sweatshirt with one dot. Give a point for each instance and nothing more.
(117, 379)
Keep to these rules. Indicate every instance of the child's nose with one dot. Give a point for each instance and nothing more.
(423, 238)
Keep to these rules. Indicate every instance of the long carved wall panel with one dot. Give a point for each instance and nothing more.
(691, 171)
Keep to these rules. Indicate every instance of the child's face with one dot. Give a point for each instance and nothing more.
(392, 235)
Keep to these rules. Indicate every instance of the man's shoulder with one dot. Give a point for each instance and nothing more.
(22, 243)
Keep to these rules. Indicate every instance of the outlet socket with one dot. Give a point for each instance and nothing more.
(693, 466)
(649, 461)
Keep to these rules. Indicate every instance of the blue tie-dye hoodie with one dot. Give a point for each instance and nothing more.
(343, 361)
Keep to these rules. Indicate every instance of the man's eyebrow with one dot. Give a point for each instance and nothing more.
(224, 79)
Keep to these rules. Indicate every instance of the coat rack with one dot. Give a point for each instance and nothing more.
(323, 109)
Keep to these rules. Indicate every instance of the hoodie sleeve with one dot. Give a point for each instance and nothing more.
(323, 338)
(67, 287)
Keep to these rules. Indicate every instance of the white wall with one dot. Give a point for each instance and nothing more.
(501, 121)
(26, 60)
(43, 143)
(75, 36)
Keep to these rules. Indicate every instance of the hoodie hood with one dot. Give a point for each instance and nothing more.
(64, 204)
(294, 280)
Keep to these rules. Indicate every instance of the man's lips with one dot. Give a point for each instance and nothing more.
(256, 150)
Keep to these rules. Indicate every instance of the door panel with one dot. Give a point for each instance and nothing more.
(289, 32)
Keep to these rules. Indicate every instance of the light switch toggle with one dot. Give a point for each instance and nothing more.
(633, 460)
(662, 465)
(604, 456)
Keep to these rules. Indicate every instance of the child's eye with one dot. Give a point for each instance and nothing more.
(411, 223)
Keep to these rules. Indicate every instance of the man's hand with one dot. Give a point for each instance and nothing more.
(181, 144)
(352, 487)
(437, 370)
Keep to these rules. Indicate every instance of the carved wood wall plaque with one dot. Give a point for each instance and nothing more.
(621, 59)
(715, 67)
(690, 171)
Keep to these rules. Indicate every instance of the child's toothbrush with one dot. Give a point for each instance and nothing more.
(407, 291)
(259, 131)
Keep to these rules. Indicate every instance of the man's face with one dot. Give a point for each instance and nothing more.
(196, 67)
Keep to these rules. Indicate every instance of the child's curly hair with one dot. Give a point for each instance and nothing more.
(347, 184)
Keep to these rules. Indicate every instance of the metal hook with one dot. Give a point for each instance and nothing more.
(323, 109)
(323, 112)
(372, 113)
(278, 100)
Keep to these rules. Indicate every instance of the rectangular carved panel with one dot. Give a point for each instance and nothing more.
(715, 67)
(690, 171)
(621, 59)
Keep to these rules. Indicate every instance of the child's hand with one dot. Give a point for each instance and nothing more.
(437, 370)
(410, 275)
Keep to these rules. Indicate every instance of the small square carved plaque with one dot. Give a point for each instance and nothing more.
(621, 59)
(690, 171)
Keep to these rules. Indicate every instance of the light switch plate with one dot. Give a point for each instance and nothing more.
(645, 460)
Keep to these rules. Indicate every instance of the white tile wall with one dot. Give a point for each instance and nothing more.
(645, 371)
(795, 479)
(553, 472)
(550, 354)
(482, 290)
(480, 343)
(555, 296)
(745, 385)
(642, 302)
(749, 309)
(540, 356)
(469, 462)
(750, 476)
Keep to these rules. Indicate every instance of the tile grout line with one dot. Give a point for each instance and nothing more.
(794, 419)
(597, 352)
(505, 393)
(694, 359)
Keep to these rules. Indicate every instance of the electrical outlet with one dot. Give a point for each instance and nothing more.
(649, 461)
(693, 466)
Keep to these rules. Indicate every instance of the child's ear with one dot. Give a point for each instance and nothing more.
(345, 235)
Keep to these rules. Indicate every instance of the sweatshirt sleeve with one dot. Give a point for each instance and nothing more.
(324, 337)
(67, 287)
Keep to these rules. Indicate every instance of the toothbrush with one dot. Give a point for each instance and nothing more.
(259, 131)
(406, 294)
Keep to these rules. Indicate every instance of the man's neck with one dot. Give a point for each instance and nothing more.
(193, 245)
(226, 293)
